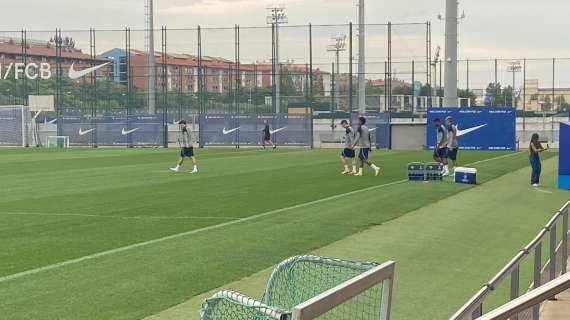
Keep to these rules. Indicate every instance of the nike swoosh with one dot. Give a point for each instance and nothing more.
(467, 131)
(74, 74)
(277, 130)
(127, 132)
(372, 129)
(225, 132)
(52, 121)
(82, 133)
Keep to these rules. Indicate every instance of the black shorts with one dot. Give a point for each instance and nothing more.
(348, 153)
(440, 153)
(452, 153)
(187, 152)
(267, 138)
(363, 154)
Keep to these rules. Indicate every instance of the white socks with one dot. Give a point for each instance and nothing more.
(373, 166)
(353, 168)
(345, 167)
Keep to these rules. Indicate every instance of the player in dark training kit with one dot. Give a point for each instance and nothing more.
(452, 141)
(266, 139)
(440, 148)
(186, 148)
(364, 141)
(348, 151)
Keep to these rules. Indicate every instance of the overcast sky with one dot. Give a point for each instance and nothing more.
(492, 28)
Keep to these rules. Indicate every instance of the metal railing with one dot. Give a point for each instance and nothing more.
(474, 307)
(530, 299)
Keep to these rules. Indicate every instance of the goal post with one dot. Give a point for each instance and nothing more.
(310, 287)
(61, 142)
(15, 126)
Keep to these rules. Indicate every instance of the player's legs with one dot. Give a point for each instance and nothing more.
(452, 155)
(354, 169)
(271, 143)
(363, 157)
(194, 162)
(344, 155)
(442, 155)
(180, 162)
(345, 165)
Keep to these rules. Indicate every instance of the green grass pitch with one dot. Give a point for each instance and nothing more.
(113, 234)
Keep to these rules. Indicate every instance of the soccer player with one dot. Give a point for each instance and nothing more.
(452, 142)
(186, 148)
(348, 151)
(364, 141)
(440, 148)
(266, 136)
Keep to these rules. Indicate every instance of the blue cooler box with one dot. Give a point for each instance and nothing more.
(465, 175)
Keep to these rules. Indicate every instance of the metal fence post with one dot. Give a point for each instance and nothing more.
(350, 85)
(564, 241)
(311, 65)
(524, 97)
(413, 89)
(515, 287)
(477, 312)
(496, 91)
(200, 74)
(537, 281)
(552, 265)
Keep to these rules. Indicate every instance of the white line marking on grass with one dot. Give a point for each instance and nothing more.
(495, 158)
(543, 191)
(117, 217)
(209, 228)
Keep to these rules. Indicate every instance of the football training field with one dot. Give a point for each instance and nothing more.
(113, 234)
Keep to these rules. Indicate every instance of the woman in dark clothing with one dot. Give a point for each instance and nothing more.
(535, 148)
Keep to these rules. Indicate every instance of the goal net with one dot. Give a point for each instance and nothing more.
(310, 287)
(15, 129)
(57, 142)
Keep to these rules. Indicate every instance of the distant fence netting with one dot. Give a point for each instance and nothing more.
(246, 129)
(379, 125)
(15, 127)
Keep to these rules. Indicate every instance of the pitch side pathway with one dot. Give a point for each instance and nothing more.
(444, 251)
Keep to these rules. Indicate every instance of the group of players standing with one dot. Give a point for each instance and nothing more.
(446, 148)
(447, 144)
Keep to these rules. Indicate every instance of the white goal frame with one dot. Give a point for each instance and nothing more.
(49, 139)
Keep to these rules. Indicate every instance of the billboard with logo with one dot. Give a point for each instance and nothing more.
(139, 130)
(246, 129)
(379, 125)
(478, 128)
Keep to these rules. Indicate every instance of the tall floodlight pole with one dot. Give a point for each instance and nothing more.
(339, 45)
(451, 44)
(514, 67)
(275, 17)
(149, 24)
(361, 59)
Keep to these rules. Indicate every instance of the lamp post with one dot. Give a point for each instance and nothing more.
(275, 17)
(339, 45)
(514, 67)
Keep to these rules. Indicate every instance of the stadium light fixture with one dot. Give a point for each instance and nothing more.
(338, 46)
(514, 67)
(275, 17)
